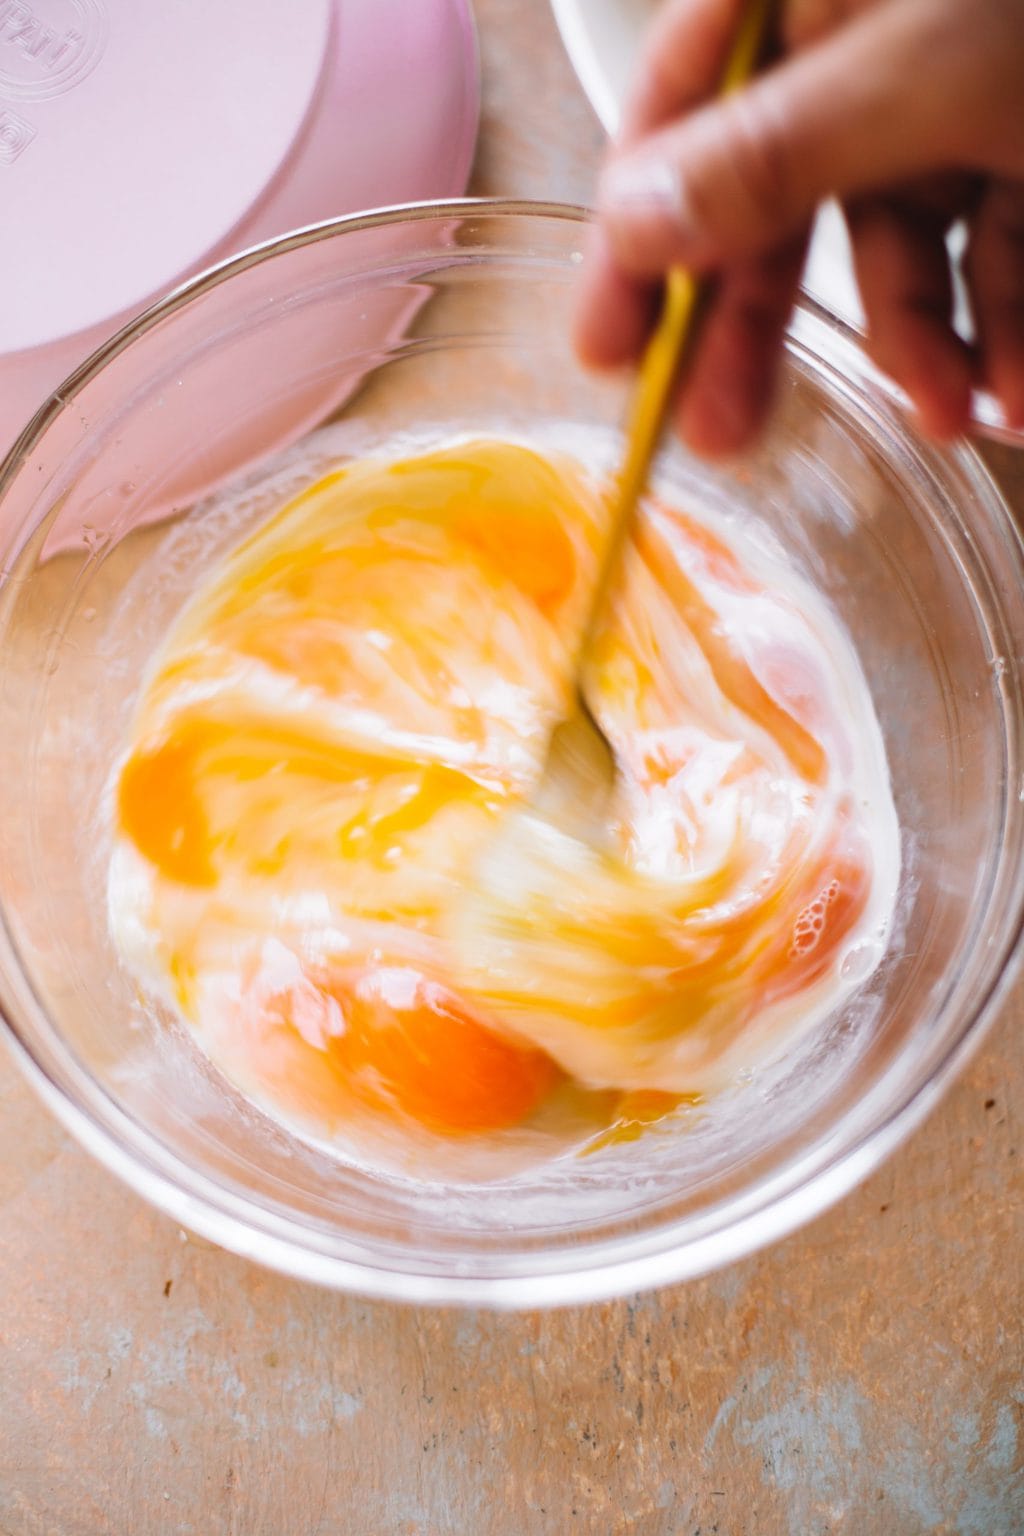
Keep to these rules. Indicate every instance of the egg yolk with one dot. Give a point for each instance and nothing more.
(343, 724)
(424, 1055)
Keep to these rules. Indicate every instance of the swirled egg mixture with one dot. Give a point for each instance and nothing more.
(333, 739)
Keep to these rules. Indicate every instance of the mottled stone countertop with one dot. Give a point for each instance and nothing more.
(866, 1376)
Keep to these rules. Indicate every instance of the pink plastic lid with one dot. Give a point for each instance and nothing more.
(139, 143)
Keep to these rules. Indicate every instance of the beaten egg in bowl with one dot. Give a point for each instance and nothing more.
(337, 730)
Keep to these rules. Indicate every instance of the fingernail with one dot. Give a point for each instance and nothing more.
(642, 182)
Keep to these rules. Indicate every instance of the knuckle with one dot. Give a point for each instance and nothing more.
(759, 156)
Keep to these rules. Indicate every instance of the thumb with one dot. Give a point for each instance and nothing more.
(868, 106)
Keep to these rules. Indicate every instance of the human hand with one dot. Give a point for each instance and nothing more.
(911, 112)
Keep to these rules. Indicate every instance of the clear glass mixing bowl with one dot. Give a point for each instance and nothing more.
(109, 513)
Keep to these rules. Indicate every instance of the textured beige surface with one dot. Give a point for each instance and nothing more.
(863, 1377)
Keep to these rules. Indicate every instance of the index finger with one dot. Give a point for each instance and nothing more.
(680, 63)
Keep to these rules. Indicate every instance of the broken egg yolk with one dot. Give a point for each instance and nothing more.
(343, 719)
